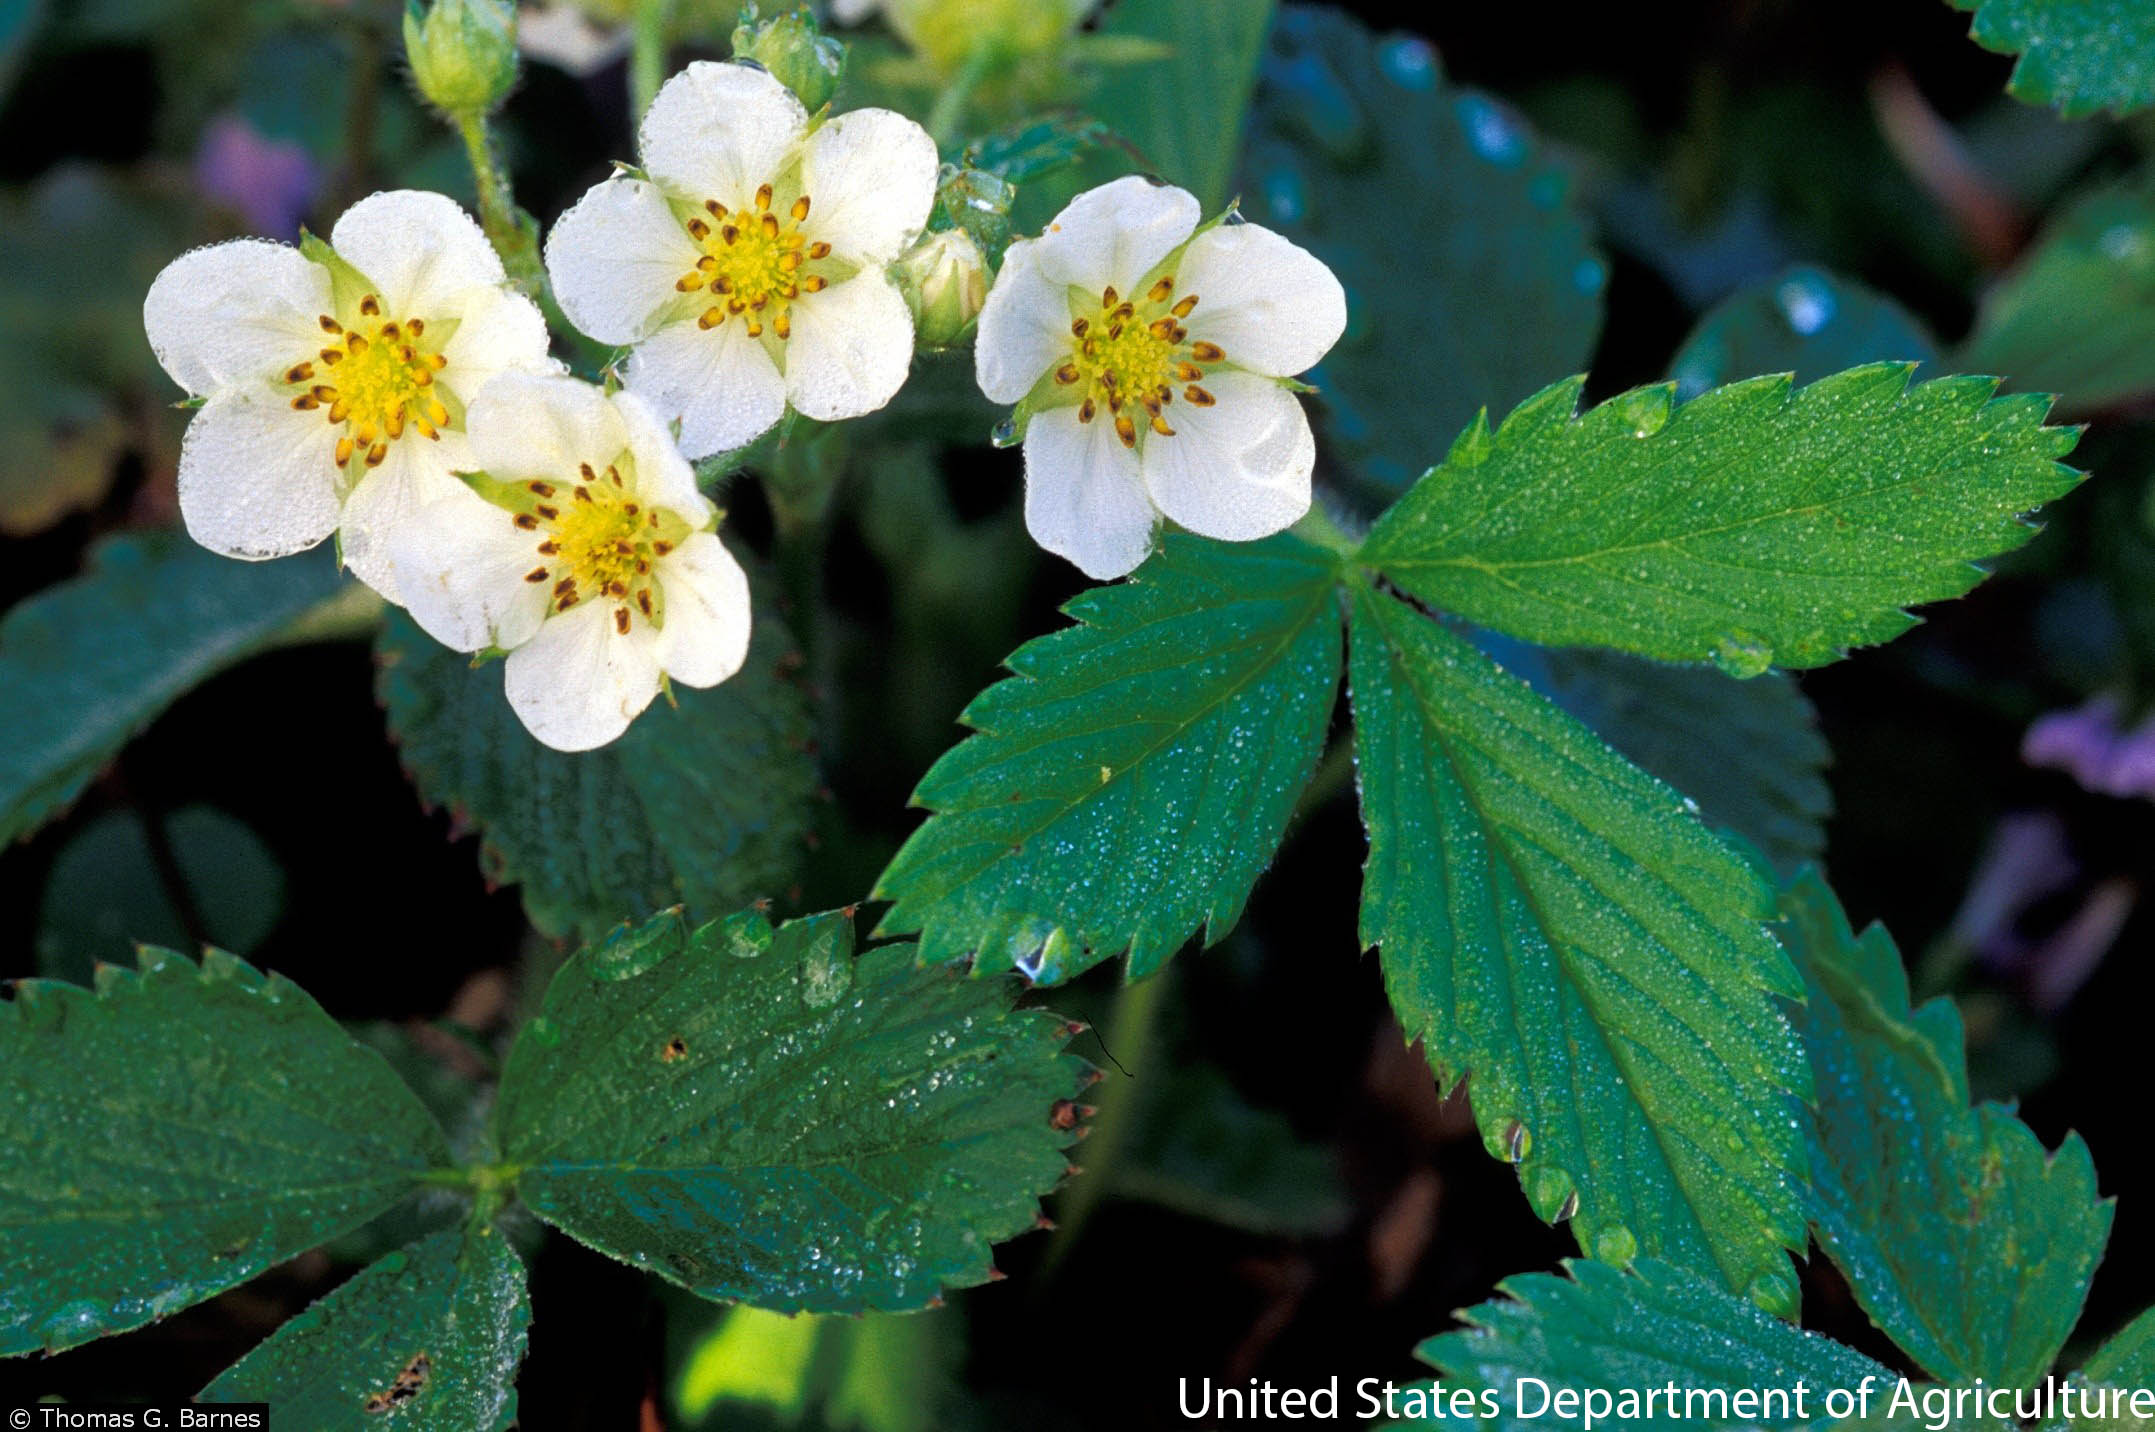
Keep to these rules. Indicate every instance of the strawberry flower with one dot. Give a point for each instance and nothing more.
(584, 550)
(747, 265)
(1150, 359)
(335, 376)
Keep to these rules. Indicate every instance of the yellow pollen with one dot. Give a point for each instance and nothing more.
(754, 263)
(378, 387)
(1136, 353)
(599, 546)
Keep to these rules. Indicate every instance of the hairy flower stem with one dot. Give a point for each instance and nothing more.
(647, 56)
(947, 118)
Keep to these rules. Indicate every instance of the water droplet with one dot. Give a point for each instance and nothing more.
(1777, 1293)
(1495, 136)
(1410, 63)
(1743, 655)
(1589, 275)
(1807, 301)
(631, 951)
(1284, 195)
(1614, 1244)
(1005, 433)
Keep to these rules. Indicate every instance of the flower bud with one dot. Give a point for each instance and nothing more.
(797, 54)
(945, 281)
(462, 52)
(947, 33)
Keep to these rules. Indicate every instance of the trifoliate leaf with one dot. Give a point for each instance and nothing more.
(1558, 927)
(2077, 56)
(1759, 524)
(1469, 278)
(1656, 1328)
(1209, 66)
(704, 803)
(1965, 1242)
(1748, 752)
(427, 1336)
(1803, 321)
(762, 1116)
(87, 664)
(1135, 774)
(2077, 317)
(175, 1134)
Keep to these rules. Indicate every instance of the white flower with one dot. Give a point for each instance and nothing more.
(584, 550)
(1150, 363)
(335, 380)
(749, 269)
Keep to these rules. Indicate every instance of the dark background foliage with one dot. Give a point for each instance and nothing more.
(1713, 143)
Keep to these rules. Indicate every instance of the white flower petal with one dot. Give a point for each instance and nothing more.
(1271, 304)
(231, 313)
(719, 382)
(416, 474)
(461, 567)
(615, 258)
(851, 348)
(852, 12)
(578, 683)
(499, 332)
(257, 478)
(663, 476)
(1084, 498)
(870, 180)
(422, 252)
(524, 425)
(1116, 233)
(705, 638)
(716, 131)
(1237, 471)
(1024, 327)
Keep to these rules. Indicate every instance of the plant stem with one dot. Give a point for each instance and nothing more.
(647, 56)
(947, 118)
(1129, 1039)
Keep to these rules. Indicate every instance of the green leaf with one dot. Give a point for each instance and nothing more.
(427, 1336)
(89, 663)
(759, 1115)
(1211, 65)
(1803, 321)
(1200, 1148)
(1757, 524)
(1656, 1327)
(704, 804)
(1469, 277)
(2128, 1359)
(175, 1134)
(2077, 316)
(1557, 925)
(1965, 1242)
(1748, 752)
(2077, 56)
(886, 1372)
(106, 889)
(1135, 774)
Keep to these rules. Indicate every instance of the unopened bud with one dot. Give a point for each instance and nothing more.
(462, 52)
(947, 33)
(945, 281)
(797, 54)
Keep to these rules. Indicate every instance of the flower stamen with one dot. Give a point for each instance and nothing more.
(380, 386)
(602, 546)
(755, 264)
(1139, 359)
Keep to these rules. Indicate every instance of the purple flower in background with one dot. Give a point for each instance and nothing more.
(2090, 745)
(268, 182)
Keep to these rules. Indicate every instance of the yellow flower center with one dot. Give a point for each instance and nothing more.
(597, 541)
(374, 379)
(1133, 355)
(755, 263)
